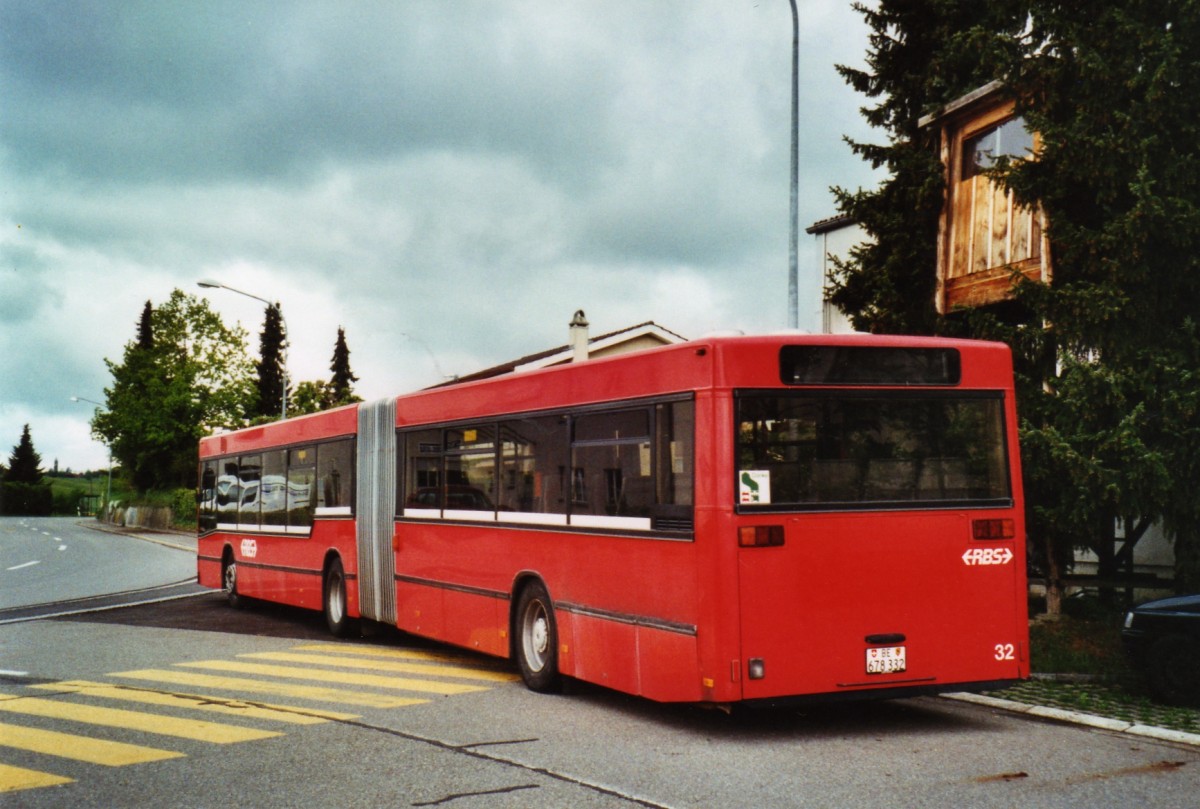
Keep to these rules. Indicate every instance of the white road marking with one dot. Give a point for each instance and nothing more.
(27, 564)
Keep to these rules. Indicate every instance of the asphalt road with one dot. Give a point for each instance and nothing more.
(201, 706)
(56, 559)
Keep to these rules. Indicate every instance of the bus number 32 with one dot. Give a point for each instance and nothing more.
(1004, 651)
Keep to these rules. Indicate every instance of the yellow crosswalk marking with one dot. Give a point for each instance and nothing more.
(198, 702)
(385, 665)
(399, 654)
(17, 778)
(80, 748)
(194, 729)
(324, 663)
(343, 677)
(340, 696)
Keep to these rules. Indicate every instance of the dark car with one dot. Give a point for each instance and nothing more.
(1162, 639)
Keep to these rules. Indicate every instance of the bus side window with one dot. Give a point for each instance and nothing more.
(301, 494)
(533, 453)
(335, 470)
(469, 461)
(675, 428)
(272, 488)
(208, 496)
(611, 465)
(228, 492)
(249, 481)
(423, 469)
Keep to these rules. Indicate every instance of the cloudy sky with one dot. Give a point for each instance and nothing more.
(447, 179)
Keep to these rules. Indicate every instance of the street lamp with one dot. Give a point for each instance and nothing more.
(208, 283)
(108, 486)
(793, 272)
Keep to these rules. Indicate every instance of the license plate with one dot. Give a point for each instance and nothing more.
(886, 660)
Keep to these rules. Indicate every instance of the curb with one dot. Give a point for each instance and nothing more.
(1076, 718)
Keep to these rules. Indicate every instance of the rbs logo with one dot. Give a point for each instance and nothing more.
(987, 556)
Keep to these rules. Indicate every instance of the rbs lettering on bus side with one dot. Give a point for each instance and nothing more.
(249, 548)
(988, 556)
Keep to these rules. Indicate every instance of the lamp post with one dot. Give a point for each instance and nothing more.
(208, 283)
(793, 272)
(108, 486)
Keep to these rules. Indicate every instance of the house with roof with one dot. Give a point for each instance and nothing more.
(835, 236)
(581, 346)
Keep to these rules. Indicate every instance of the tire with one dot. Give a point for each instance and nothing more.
(229, 582)
(333, 597)
(1173, 670)
(537, 640)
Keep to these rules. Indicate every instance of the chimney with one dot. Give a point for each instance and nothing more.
(578, 339)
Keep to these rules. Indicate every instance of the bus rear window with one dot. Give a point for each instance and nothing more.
(841, 449)
(868, 365)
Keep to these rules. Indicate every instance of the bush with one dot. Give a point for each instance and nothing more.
(182, 503)
(183, 506)
(66, 501)
(26, 499)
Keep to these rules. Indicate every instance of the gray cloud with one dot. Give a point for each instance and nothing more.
(451, 179)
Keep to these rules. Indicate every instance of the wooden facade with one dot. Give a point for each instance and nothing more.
(983, 237)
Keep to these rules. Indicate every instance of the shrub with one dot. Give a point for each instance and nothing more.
(26, 499)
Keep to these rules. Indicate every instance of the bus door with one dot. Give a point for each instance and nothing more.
(878, 543)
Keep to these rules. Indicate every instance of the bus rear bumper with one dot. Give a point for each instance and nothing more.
(865, 694)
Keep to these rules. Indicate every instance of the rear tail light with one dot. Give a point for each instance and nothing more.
(760, 536)
(992, 529)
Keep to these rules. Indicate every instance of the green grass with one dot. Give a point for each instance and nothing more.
(1088, 645)
(67, 490)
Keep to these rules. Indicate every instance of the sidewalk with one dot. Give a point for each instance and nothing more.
(1095, 704)
(181, 540)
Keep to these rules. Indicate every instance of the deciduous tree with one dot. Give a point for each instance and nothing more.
(311, 396)
(182, 377)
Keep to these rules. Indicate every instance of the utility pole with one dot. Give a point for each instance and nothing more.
(794, 239)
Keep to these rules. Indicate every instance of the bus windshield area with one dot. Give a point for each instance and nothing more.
(854, 450)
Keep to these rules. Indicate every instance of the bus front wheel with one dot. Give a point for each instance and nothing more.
(335, 600)
(537, 639)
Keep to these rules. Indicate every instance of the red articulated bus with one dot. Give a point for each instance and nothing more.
(724, 520)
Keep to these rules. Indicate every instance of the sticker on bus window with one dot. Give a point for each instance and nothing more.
(754, 486)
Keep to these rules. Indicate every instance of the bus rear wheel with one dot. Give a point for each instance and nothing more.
(229, 581)
(335, 600)
(537, 640)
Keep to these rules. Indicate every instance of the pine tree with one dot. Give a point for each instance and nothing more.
(924, 54)
(1108, 354)
(145, 338)
(1113, 418)
(341, 384)
(271, 367)
(24, 464)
